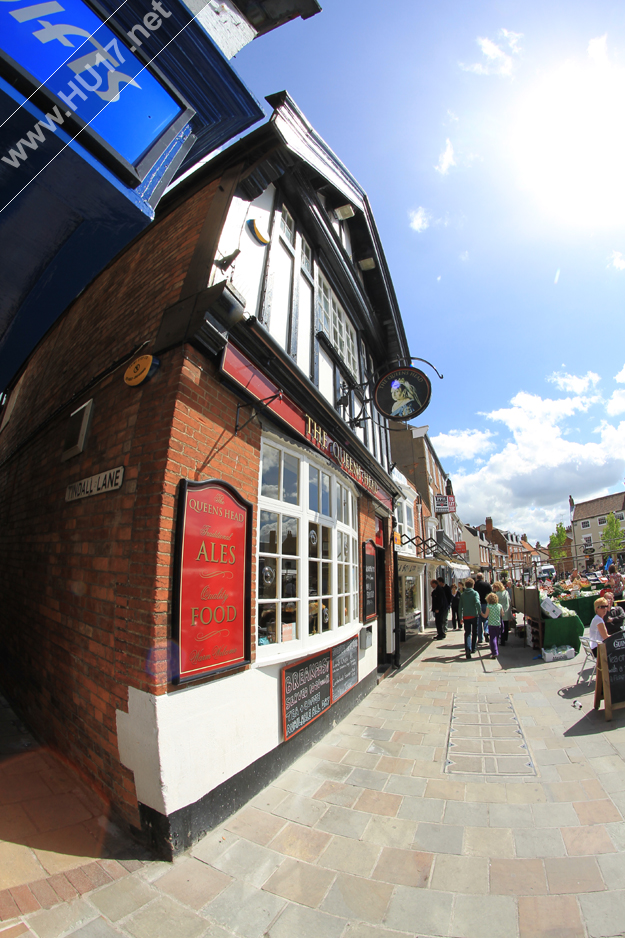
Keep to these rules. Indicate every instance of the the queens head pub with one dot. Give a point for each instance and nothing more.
(208, 617)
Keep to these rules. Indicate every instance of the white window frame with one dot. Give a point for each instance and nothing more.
(585, 524)
(287, 225)
(587, 540)
(601, 521)
(336, 326)
(305, 643)
(619, 516)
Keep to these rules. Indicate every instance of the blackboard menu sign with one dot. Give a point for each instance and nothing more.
(344, 667)
(368, 580)
(306, 692)
(610, 679)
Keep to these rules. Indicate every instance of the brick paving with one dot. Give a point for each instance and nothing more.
(368, 835)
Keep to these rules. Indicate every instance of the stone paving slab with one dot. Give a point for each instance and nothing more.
(370, 836)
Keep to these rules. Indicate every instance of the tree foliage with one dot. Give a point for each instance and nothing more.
(557, 542)
(612, 535)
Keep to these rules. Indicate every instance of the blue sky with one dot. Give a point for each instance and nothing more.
(490, 138)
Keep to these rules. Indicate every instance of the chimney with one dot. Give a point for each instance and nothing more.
(524, 538)
(489, 528)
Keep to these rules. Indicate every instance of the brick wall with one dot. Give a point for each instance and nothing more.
(86, 584)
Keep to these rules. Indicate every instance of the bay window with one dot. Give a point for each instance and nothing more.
(307, 550)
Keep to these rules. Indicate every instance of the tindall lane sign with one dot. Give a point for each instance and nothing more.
(95, 485)
(212, 580)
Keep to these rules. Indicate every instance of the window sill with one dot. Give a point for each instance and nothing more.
(287, 655)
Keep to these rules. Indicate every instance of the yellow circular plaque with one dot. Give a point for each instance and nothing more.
(138, 370)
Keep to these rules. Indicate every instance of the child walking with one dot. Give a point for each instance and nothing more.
(495, 623)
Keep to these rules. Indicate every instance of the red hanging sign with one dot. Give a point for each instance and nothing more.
(213, 580)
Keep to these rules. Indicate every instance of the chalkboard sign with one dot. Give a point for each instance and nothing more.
(306, 692)
(610, 679)
(368, 580)
(344, 667)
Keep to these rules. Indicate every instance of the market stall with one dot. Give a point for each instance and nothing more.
(545, 632)
(566, 630)
(583, 606)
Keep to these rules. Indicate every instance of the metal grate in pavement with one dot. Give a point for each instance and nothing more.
(485, 737)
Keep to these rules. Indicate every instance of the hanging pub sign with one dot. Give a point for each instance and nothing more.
(368, 580)
(441, 504)
(212, 580)
(402, 393)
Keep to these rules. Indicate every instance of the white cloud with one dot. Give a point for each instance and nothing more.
(576, 384)
(512, 39)
(463, 444)
(497, 61)
(598, 49)
(557, 276)
(620, 377)
(524, 484)
(446, 159)
(464, 256)
(616, 404)
(420, 220)
(616, 260)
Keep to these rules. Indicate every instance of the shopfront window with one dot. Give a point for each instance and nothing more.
(307, 551)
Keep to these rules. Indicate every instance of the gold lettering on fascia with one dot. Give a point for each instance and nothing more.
(347, 463)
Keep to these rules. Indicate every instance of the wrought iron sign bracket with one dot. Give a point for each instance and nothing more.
(266, 400)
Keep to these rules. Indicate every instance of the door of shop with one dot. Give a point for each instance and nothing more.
(380, 589)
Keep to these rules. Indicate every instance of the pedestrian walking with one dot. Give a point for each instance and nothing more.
(482, 588)
(455, 608)
(495, 622)
(503, 598)
(469, 613)
(440, 608)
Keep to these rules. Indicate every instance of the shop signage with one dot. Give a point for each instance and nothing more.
(91, 77)
(397, 539)
(589, 550)
(610, 679)
(212, 580)
(408, 568)
(441, 504)
(95, 485)
(402, 393)
(340, 456)
(306, 692)
(344, 667)
(451, 502)
(369, 581)
(461, 547)
(251, 379)
(311, 686)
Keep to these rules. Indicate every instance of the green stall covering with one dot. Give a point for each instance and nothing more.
(583, 606)
(566, 630)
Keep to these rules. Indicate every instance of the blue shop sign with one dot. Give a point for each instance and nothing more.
(93, 75)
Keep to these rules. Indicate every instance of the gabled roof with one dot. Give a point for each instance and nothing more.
(599, 506)
(288, 148)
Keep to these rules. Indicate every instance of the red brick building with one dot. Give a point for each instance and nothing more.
(263, 295)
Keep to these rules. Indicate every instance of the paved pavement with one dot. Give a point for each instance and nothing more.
(468, 799)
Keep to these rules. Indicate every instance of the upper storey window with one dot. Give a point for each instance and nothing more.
(287, 225)
(336, 325)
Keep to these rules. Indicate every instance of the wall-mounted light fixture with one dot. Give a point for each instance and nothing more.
(343, 212)
(367, 263)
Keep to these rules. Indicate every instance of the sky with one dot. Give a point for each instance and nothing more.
(490, 139)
